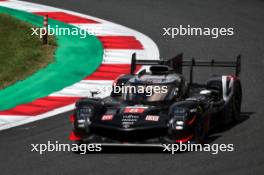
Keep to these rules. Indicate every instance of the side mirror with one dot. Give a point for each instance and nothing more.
(95, 92)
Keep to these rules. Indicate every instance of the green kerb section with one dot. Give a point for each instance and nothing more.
(75, 58)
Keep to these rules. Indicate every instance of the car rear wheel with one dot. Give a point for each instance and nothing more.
(237, 100)
(231, 112)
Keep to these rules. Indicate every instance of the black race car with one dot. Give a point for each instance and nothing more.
(180, 111)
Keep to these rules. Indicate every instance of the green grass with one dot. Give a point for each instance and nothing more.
(21, 54)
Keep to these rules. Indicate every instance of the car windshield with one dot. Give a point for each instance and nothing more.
(148, 93)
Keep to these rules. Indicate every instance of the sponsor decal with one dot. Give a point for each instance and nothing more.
(107, 117)
(128, 120)
(152, 118)
(134, 110)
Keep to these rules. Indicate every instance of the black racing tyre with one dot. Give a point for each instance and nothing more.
(231, 112)
(237, 100)
(227, 113)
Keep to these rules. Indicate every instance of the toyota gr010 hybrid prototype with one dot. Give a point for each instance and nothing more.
(185, 112)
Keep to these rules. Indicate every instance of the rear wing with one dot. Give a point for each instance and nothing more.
(177, 63)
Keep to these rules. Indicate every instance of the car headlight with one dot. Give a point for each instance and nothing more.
(178, 118)
(83, 115)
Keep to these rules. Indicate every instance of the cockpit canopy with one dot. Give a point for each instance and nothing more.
(153, 86)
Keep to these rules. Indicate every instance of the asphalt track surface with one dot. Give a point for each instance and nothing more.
(149, 17)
